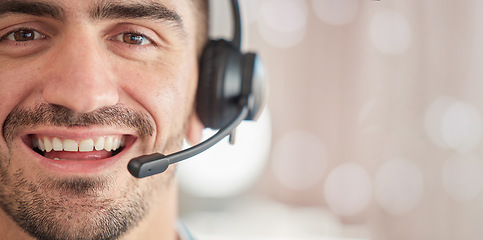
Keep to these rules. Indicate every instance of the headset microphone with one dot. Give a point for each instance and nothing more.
(148, 165)
(231, 88)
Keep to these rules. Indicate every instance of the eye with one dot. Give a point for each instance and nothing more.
(23, 35)
(134, 39)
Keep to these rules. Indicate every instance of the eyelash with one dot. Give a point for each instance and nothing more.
(119, 37)
(40, 36)
(37, 36)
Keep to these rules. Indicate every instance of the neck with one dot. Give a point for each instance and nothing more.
(10, 230)
(160, 222)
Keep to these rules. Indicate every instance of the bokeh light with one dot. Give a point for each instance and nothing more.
(390, 32)
(388, 92)
(336, 12)
(462, 177)
(283, 22)
(398, 186)
(299, 160)
(433, 119)
(454, 124)
(348, 189)
(461, 126)
(227, 170)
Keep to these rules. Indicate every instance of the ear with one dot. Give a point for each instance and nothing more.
(195, 127)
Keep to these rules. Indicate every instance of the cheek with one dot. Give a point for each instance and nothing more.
(19, 85)
(166, 92)
(16, 82)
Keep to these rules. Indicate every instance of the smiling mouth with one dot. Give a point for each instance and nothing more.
(57, 148)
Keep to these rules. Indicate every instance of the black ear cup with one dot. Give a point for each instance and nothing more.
(254, 85)
(219, 86)
(225, 84)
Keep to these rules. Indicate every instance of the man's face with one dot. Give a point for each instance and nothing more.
(85, 86)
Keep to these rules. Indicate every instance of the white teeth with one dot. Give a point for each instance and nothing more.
(47, 144)
(57, 144)
(108, 143)
(86, 145)
(41, 145)
(70, 145)
(116, 144)
(100, 144)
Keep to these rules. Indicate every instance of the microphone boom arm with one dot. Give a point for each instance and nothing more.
(155, 163)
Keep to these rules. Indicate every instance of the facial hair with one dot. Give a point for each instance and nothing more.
(75, 208)
(63, 210)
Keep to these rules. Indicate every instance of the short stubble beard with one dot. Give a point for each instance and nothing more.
(76, 208)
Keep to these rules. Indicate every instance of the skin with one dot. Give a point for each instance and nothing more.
(84, 65)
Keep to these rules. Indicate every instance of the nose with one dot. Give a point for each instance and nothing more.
(80, 77)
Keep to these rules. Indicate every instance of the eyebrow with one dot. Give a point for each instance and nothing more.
(31, 8)
(149, 10)
(143, 10)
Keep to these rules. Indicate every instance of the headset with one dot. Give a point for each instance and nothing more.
(231, 88)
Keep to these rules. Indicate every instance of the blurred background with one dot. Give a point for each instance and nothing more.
(372, 130)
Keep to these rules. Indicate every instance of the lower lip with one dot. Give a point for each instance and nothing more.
(85, 163)
(78, 166)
